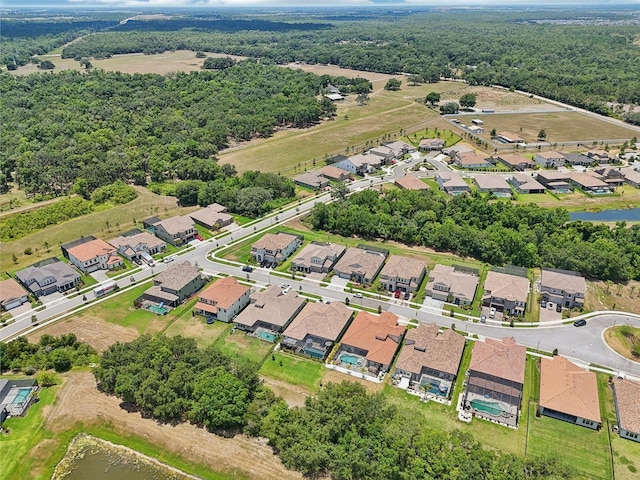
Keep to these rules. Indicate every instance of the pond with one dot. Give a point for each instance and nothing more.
(90, 457)
(621, 215)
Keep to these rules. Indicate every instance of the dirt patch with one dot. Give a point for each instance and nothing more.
(621, 346)
(92, 330)
(80, 401)
(624, 297)
(331, 376)
(294, 395)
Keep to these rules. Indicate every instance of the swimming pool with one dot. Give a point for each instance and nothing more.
(492, 408)
(22, 395)
(350, 359)
(268, 336)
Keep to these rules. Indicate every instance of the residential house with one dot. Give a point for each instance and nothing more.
(430, 144)
(563, 287)
(387, 154)
(475, 129)
(312, 180)
(631, 176)
(555, 181)
(374, 338)
(270, 312)
(138, 245)
(515, 161)
(13, 401)
(509, 137)
(452, 183)
(430, 358)
(94, 255)
(402, 273)
(569, 393)
(506, 293)
(176, 230)
(409, 182)
(360, 164)
(472, 161)
(452, 284)
(600, 156)
(317, 257)
(12, 294)
(359, 265)
(48, 276)
(493, 183)
(400, 148)
(614, 177)
(222, 300)
(80, 241)
(212, 216)
(550, 159)
(591, 182)
(316, 329)
(333, 173)
(626, 396)
(275, 247)
(173, 286)
(495, 380)
(524, 183)
(578, 159)
(457, 149)
(149, 223)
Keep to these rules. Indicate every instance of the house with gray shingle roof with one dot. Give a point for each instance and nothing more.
(48, 276)
(317, 257)
(271, 310)
(359, 265)
(174, 285)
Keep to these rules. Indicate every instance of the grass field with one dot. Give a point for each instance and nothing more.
(239, 344)
(196, 327)
(294, 370)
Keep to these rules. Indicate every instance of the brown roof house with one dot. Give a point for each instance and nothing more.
(506, 293)
(333, 173)
(510, 137)
(409, 182)
(222, 300)
(371, 342)
(472, 161)
(317, 257)
(316, 329)
(563, 287)
(269, 312)
(524, 183)
(452, 183)
(569, 393)
(631, 176)
(359, 265)
(626, 395)
(402, 273)
(496, 380)
(431, 144)
(212, 216)
(312, 180)
(173, 286)
(12, 294)
(275, 247)
(452, 284)
(515, 161)
(493, 183)
(591, 182)
(94, 255)
(430, 358)
(175, 230)
(550, 159)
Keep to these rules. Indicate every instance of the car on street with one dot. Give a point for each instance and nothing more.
(247, 268)
(580, 323)
(168, 260)
(357, 295)
(483, 318)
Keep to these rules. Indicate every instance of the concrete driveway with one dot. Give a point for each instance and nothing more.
(547, 315)
(339, 282)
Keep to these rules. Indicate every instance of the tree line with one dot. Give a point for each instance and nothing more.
(344, 432)
(498, 233)
(538, 52)
(104, 126)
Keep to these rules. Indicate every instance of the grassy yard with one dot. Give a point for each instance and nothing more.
(294, 370)
(196, 327)
(239, 344)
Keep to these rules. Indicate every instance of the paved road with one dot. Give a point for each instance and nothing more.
(582, 344)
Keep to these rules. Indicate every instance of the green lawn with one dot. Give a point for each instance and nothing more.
(239, 344)
(293, 370)
(197, 328)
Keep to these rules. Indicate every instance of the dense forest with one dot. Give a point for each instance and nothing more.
(498, 233)
(104, 126)
(585, 63)
(344, 432)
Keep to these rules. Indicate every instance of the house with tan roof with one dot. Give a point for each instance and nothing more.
(94, 255)
(385, 153)
(515, 161)
(222, 300)
(175, 230)
(48, 276)
(631, 176)
(430, 358)
(333, 173)
(316, 329)
(509, 137)
(452, 284)
(506, 293)
(472, 161)
(431, 144)
(550, 159)
(569, 393)
(173, 286)
(626, 396)
(563, 287)
(12, 294)
(524, 183)
(555, 181)
(270, 312)
(275, 247)
(600, 156)
(318, 257)
(212, 216)
(359, 265)
(360, 163)
(496, 380)
(400, 148)
(402, 273)
(409, 182)
(374, 339)
(493, 183)
(591, 182)
(311, 179)
(137, 245)
(452, 183)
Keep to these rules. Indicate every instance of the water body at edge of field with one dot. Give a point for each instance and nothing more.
(90, 457)
(621, 215)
